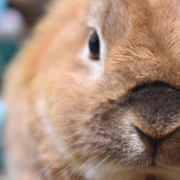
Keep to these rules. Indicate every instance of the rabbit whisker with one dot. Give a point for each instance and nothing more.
(72, 164)
(73, 144)
(84, 163)
(99, 165)
(61, 161)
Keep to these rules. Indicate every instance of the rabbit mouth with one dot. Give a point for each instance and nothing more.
(140, 130)
(155, 109)
(164, 152)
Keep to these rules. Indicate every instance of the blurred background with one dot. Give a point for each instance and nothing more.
(17, 19)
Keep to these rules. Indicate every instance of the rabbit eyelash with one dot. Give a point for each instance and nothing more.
(94, 24)
(98, 66)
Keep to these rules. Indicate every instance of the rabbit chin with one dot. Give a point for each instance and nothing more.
(120, 173)
(137, 156)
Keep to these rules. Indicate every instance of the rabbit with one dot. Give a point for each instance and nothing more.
(95, 94)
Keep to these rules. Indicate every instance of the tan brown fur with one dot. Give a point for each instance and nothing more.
(51, 81)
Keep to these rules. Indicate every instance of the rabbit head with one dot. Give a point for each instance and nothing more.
(111, 92)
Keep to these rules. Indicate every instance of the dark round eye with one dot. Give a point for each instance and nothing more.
(94, 46)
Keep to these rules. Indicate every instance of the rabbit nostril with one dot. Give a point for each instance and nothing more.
(156, 131)
(155, 108)
(154, 84)
(156, 139)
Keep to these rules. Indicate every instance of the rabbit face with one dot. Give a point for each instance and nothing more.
(113, 94)
(123, 106)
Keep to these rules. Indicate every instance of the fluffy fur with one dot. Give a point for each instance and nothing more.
(67, 122)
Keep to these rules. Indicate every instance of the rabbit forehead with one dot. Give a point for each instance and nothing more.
(159, 19)
(106, 12)
(100, 10)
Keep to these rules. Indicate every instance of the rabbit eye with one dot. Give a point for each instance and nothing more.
(94, 46)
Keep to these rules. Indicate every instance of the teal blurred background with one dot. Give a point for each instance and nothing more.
(16, 23)
(17, 19)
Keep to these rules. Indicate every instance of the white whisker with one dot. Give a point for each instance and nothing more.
(85, 165)
(78, 171)
(99, 165)
(60, 162)
(68, 166)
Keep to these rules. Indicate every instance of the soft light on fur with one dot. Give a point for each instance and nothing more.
(114, 119)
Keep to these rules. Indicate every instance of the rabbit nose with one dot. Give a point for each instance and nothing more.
(156, 109)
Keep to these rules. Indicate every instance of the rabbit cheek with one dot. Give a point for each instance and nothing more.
(112, 131)
(136, 131)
